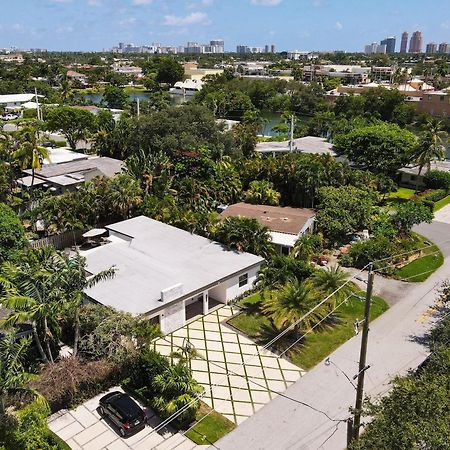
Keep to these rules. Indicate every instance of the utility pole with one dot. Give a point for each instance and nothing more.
(138, 108)
(362, 361)
(291, 137)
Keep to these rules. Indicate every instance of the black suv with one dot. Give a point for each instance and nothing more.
(123, 411)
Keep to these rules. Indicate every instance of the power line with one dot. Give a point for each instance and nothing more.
(265, 347)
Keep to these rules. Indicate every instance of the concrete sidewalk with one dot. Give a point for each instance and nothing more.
(393, 350)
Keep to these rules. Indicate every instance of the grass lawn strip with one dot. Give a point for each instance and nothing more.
(441, 203)
(210, 429)
(319, 344)
(421, 268)
(401, 193)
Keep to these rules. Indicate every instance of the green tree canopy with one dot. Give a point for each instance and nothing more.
(344, 210)
(382, 148)
(12, 234)
(74, 123)
(115, 97)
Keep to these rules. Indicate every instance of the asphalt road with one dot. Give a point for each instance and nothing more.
(394, 348)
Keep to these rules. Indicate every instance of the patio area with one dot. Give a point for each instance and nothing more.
(253, 372)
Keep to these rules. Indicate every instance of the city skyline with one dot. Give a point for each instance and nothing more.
(289, 24)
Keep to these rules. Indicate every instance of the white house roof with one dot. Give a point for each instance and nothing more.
(307, 144)
(151, 257)
(17, 98)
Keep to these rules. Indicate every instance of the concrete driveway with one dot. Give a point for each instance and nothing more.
(84, 429)
(254, 373)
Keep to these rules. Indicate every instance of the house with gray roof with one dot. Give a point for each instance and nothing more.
(167, 274)
(60, 177)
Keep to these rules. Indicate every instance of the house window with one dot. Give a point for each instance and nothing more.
(243, 279)
(285, 250)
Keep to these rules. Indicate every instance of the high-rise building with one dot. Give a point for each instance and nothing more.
(444, 47)
(266, 49)
(374, 47)
(404, 43)
(431, 48)
(217, 46)
(389, 42)
(242, 49)
(272, 48)
(415, 44)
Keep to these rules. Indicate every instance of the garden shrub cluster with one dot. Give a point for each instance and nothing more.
(437, 179)
(164, 386)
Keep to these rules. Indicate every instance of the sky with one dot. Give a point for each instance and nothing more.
(289, 24)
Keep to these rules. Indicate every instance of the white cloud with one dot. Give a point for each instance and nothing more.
(207, 2)
(445, 25)
(127, 22)
(95, 2)
(338, 26)
(266, 2)
(177, 21)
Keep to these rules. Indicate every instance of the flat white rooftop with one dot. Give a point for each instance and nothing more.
(150, 256)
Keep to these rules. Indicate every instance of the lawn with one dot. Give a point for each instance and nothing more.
(421, 268)
(316, 345)
(401, 194)
(441, 203)
(210, 429)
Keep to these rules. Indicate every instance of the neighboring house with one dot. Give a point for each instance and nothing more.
(308, 144)
(409, 175)
(66, 176)
(286, 224)
(16, 101)
(78, 77)
(435, 103)
(166, 274)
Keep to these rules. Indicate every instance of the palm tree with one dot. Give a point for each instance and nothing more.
(65, 91)
(245, 235)
(291, 303)
(306, 246)
(124, 194)
(34, 296)
(328, 280)
(431, 145)
(30, 154)
(12, 373)
(176, 389)
(74, 283)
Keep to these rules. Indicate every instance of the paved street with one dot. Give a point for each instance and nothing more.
(222, 349)
(393, 349)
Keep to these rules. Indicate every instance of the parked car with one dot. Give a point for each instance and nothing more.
(9, 117)
(123, 411)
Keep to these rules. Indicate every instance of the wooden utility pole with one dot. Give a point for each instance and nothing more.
(356, 425)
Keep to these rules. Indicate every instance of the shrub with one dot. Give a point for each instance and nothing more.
(436, 195)
(346, 260)
(12, 234)
(72, 380)
(363, 252)
(437, 179)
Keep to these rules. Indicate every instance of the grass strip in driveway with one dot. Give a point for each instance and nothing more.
(210, 429)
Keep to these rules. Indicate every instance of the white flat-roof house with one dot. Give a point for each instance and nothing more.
(15, 101)
(307, 144)
(167, 274)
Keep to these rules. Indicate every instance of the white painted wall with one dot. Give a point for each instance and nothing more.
(230, 289)
(173, 317)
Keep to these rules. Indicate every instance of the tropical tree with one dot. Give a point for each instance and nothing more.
(289, 305)
(124, 194)
(306, 246)
(262, 193)
(74, 283)
(13, 376)
(29, 153)
(175, 389)
(34, 296)
(328, 280)
(245, 235)
(65, 91)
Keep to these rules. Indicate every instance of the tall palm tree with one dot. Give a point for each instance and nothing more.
(30, 154)
(124, 194)
(65, 91)
(74, 282)
(288, 305)
(34, 296)
(12, 373)
(330, 279)
(431, 145)
(306, 246)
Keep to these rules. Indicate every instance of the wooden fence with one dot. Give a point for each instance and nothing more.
(60, 241)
